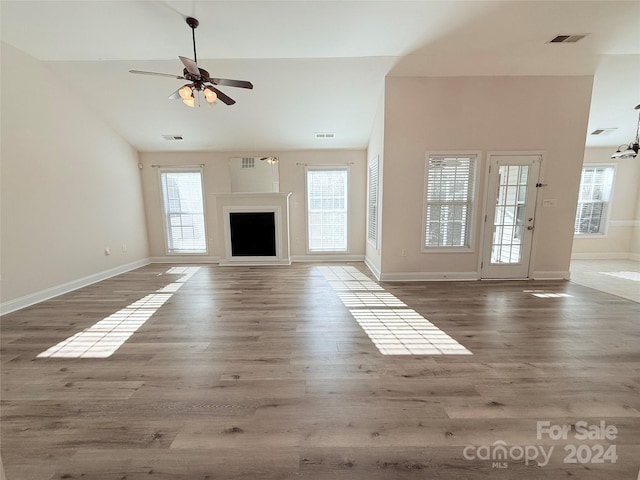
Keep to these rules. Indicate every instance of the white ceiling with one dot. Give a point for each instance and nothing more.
(316, 66)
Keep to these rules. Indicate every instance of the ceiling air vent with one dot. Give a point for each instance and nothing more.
(325, 135)
(248, 162)
(173, 138)
(603, 131)
(570, 38)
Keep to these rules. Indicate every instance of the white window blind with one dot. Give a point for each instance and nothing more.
(449, 184)
(183, 211)
(372, 201)
(593, 200)
(327, 209)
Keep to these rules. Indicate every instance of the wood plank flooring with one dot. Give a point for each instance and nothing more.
(263, 373)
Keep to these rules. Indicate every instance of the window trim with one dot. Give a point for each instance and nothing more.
(375, 242)
(182, 169)
(472, 223)
(312, 167)
(607, 212)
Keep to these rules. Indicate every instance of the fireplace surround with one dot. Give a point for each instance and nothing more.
(253, 228)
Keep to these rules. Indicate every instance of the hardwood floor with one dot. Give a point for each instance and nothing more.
(263, 373)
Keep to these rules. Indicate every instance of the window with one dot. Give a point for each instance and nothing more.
(449, 190)
(372, 201)
(593, 200)
(327, 209)
(183, 211)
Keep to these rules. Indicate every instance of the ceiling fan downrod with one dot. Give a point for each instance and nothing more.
(193, 23)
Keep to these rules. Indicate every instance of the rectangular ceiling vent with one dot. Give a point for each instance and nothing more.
(173, 138)
(325, 135)
(603, 131)
(569, 38)
(248, 162)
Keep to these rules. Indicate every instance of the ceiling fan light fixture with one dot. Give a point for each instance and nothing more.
(209, 95)
(185, 93)
(189, 102)
(627, 151)
(630, 150)
(272, 160)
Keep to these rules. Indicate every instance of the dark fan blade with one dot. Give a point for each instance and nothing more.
(140, 72)
(231, 83)
(190, 65)
(225, 98)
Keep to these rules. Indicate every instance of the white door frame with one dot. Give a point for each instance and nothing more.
(489, 199)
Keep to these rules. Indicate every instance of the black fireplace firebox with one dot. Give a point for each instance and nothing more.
(253, 234)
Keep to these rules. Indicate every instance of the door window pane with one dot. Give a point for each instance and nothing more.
(509, 214)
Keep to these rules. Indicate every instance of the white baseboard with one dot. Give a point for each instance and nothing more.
(185, 259)
(327, 258)
(372, 268)
(551, 275)
(600, 256)
(42, 295)
(428, 276)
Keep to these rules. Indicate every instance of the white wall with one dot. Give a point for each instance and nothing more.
(376, 149)
(481, 114)
(292, 179)
(70, 187)
(618, 240)
(634, 248)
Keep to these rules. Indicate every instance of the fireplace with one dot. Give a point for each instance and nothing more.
(253, 234)
(253, 228)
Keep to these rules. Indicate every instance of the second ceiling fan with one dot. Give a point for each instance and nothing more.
(198, 78)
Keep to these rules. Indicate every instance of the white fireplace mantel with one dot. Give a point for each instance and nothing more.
(276, 202)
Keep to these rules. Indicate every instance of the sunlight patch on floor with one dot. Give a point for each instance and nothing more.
(546, 294)
(354, 285)
(344, 274)
(394, 328)
(369, 299)
(109, 334)
(634, 276)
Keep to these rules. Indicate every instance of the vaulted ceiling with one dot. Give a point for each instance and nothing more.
(316, 66)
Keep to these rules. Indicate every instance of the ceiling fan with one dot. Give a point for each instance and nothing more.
(198, 78)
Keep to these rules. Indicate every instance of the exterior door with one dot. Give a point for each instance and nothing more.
(510, 217)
